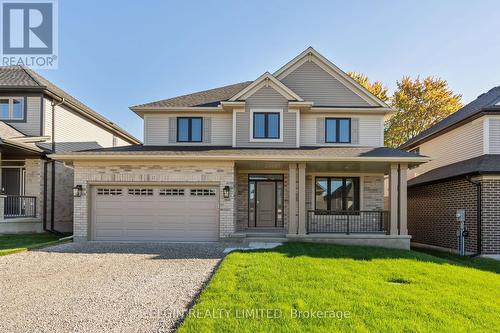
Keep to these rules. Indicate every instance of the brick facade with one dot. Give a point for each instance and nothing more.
(491, 215)
(160, 172)
(432, 213)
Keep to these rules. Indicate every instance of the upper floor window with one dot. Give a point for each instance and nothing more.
(266, 125)
(11, 108)
(338, 130)
(189, 129)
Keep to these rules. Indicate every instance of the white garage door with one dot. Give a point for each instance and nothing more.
(149, 213)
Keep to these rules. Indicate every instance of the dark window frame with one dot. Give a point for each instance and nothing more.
(337, 128)
(357, 190)
(190, 129)
(266, 126)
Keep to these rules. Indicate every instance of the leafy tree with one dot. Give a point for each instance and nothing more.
(376, 88)
(420, 103)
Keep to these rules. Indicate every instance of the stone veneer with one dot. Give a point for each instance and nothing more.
(158, 172)
(34, 182)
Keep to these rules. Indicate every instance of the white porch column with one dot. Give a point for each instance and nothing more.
(302, 199)
(292, 198)
(393, 199)
(403, 175)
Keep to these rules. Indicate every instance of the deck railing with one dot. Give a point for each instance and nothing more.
(347, 222)
(19, 206)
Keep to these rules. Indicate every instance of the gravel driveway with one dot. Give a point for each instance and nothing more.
(98, 287)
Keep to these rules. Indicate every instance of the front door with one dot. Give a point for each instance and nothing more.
(11, 181)
(266, 204)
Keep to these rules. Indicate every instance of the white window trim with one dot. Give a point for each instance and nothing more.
(252, 111)
(11, 108)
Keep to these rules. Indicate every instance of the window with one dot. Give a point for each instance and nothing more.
(202, 192)
(338, 130)
(189, 129)
(337, 193)
(109, 191)
(266, 125)
(171, 192)
(11, 108)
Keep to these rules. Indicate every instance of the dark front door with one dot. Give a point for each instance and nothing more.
(11, 181)
(266, 204)
(265, 201)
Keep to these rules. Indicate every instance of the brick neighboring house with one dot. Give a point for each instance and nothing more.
(464, 174)
(38, 118)
(297, 154)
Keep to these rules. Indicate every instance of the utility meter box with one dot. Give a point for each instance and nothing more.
(461, 215)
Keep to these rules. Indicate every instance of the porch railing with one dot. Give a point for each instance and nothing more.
(347, 222)
(19, 206)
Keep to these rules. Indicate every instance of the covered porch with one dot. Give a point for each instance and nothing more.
(330, 201)
(21, 185)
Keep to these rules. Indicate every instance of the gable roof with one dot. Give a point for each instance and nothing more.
(486, 102)
(266, 79)
(7, 131)
(484, 164)
(206, 98)
(20, 77)
(214, 97)
(311, 54)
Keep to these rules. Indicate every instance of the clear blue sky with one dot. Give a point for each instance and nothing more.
(114, 54)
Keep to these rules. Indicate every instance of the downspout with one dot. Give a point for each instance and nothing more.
(53, 169)
(479, 215)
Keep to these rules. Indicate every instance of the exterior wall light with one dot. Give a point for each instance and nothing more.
(78, 191)
(225, 192)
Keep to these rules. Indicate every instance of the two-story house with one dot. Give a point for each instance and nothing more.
(38, 118)
(464, 174)
(296, 154)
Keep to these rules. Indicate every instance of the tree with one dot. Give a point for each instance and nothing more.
(376, 88)
(419, 104)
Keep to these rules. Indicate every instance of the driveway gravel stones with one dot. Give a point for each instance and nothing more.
(103, 287)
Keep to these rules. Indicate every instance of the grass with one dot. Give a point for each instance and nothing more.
(486, 264)
(22, 242)
(359, 289)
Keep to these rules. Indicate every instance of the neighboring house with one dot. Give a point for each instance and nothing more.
(464, 174)
(38, 118)
(298, 154)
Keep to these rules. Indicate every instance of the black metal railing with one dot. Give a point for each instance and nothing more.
(347, 222)
(19, 206)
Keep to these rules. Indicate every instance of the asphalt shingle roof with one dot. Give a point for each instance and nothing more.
(485, 164)
(483, 101)
(23, 77)
(230, 151)
(206, 98)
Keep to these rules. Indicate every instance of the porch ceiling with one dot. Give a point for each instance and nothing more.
(319, 166)
(11, 151)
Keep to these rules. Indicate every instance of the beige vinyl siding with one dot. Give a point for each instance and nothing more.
(457, 145)
(494, 135)
(266, 98)
(370, 129)
(156, 128)
(313, 83)
(74, 132)
(33, 117)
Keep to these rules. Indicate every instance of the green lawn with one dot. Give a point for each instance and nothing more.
(359, 289)
(21, 242)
